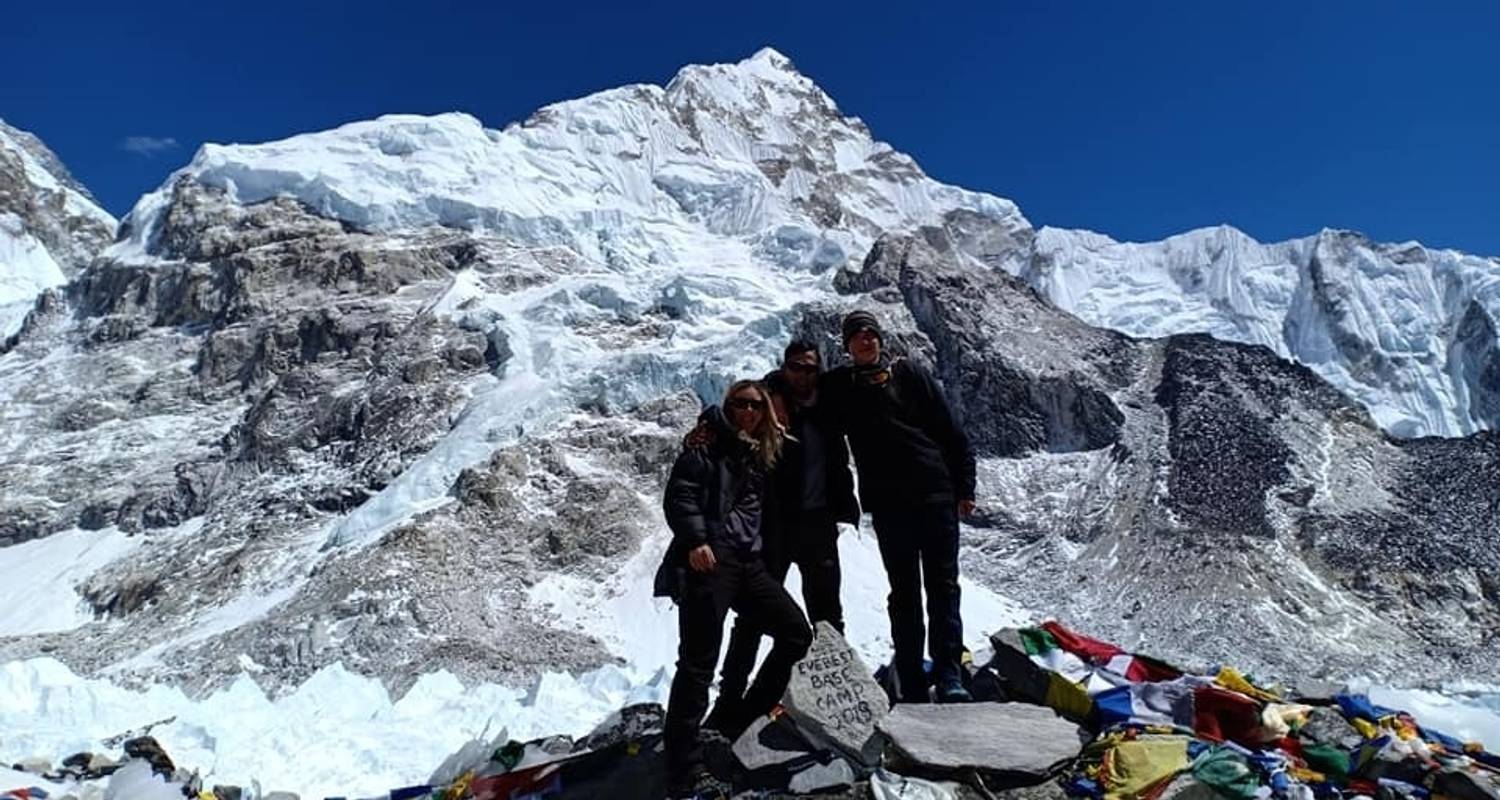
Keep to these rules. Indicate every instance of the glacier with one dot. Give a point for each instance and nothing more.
(1383, 322)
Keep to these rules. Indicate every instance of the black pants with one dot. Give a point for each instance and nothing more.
(739, 582)
(919, 546)
(811, 541)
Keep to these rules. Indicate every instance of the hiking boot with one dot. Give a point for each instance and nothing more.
(951, 690)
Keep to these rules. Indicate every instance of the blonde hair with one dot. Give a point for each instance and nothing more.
(766, 440)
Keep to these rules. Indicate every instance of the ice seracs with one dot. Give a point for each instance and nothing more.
(1406, 330)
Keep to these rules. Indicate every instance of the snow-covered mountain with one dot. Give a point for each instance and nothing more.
(1407, 331)
(324, 370)
(402, 395)
(50, 226)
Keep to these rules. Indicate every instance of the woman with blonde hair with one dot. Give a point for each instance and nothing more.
(715, 502)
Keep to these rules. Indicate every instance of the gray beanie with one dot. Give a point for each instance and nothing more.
(856, 321)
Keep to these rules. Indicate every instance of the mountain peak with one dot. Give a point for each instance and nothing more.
(774, 57)
(43, 159)
(741, 84)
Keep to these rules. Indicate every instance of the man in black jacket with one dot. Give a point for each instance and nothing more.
(812, 491)
(916, 478)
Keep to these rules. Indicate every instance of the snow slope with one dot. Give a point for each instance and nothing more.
(26, 268)
(643, 629)
(40, 596)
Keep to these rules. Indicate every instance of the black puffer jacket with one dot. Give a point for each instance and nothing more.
(704, 485)
(907, 446)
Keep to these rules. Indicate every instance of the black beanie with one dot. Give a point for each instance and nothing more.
(856, 321)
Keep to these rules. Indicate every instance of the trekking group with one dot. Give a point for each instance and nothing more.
(763, 482)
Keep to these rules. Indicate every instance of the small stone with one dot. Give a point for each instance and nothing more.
(556, 745)
(631, 723)
(832, 775)
(147, 749)
(77, 760)
(1327, 726)
(34, 765)
(89, 765)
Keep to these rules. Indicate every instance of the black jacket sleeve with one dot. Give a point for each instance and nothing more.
(685, 501)
(938, 420)
(833, 398)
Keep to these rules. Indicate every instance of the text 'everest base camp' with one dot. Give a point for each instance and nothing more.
(336, 466)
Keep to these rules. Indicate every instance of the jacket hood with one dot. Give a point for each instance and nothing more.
(715, 417)
(726, 436)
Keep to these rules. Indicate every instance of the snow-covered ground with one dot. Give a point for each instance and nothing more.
(643, 629)
(337, 734)
(39, 594)
(342, 734)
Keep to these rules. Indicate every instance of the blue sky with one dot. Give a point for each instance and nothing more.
(1138, 120)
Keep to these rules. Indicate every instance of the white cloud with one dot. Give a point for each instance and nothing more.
(148, 145)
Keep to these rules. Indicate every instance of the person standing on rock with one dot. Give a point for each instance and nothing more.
(916, 478)
(715, 502)
(813, 491)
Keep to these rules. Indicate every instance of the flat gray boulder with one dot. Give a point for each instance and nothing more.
(834, 699)
(1014, 738)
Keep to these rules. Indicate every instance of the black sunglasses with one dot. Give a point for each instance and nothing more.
(742, 403)
(805, 369)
